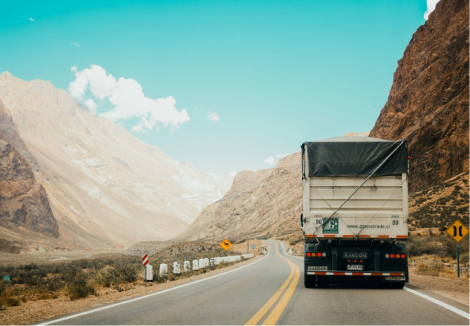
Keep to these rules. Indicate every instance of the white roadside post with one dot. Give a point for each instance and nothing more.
(148, 270)
(195, 265)
(186, 266)
(163, 270)
(176, 268)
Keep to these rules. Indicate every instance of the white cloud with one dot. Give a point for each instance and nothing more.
(281, 155)
(32, 19)
(431, 6)
(213, 116)
(91, 105)
(269, 160)
(128, 99)
(233, 173)
(273, 159)
(76, 44)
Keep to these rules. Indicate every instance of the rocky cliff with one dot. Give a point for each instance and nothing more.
(23, 200)
(429, 99)
(263, 203)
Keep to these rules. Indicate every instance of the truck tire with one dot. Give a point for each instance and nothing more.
(309, 281)
(398, 285)
(376, 282)
(322, 281)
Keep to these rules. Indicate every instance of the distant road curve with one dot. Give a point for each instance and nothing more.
(271, 291)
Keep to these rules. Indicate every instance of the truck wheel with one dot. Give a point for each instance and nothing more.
(322, 281)
(309, 281)
(376, 282)
(398, 285)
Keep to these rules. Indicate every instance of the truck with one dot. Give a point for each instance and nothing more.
(355, 211)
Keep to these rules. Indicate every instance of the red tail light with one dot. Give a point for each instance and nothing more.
(392, 256)
(319, 254)
(403, 256)
(308, 254)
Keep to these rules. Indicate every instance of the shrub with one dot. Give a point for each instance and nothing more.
(11, 302)
(127, 273)
(418, 246)
(79, 289)
(464, 258)
(429, 267)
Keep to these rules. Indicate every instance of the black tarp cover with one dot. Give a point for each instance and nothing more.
(355, 156)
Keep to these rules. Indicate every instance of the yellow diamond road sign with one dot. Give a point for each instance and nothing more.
(226, 244)
(457, 231)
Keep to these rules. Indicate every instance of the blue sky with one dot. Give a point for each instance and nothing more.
(224, 85)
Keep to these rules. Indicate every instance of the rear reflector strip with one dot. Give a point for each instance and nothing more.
(354, 274)
(352, 236)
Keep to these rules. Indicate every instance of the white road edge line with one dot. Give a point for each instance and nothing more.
(149, 295)
(440, 303)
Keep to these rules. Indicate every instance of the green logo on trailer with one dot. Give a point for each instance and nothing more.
(331, 226)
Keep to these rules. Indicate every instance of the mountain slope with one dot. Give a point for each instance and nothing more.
(106, 187)
(23, 200)
(428, 102)
(261, 203)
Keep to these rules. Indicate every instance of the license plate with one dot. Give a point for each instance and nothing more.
(317, 268)
(395, 278)
(359, 255)
(355, 267)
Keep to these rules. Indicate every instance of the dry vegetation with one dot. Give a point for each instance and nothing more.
(110, 273)
(435, 209)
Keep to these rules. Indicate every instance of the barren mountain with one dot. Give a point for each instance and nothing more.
(106, 187)
(23, 200)
(428, 105)
(428, 102)
(262, 203)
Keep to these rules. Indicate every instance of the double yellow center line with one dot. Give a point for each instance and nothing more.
(272, 318)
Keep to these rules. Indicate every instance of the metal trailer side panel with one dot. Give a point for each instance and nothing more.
(379, 209)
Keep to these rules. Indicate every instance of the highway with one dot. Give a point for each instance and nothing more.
(271, 291)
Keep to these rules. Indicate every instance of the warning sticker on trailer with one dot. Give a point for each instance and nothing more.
(331, 226)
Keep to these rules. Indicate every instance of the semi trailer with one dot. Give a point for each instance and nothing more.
(355, 211)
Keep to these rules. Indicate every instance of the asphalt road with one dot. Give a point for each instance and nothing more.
(271, 291)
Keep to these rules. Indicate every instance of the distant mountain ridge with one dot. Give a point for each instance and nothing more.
(106, 187)
(262, 203)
